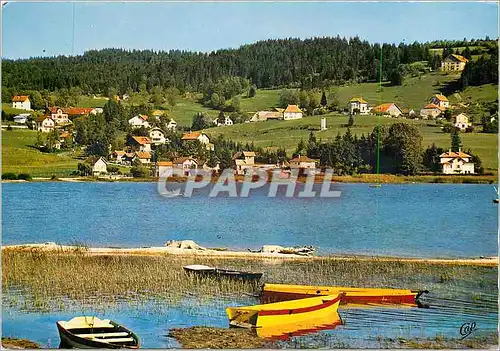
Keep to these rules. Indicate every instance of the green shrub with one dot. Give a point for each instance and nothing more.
(139, 172)
(9, 176)
(24, 176)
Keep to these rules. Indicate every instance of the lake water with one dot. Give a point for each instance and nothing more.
(423, 220)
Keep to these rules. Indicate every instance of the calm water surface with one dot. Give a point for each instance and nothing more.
(426, 220)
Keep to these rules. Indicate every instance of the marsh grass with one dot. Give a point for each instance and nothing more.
(54, 280)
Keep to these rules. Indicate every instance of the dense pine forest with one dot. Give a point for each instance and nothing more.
(290, 62)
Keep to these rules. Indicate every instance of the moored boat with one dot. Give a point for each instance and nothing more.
(208, 271)
(283, 292)
(285, 313)
(86, 332)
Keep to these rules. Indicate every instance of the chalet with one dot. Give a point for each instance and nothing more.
(139, 121)
(118, 156)
(243, 161)
(456, 163)
(99, 165)
(226, 122)
(172, 125)
(461, 121)
(441, 101)
(200, 136)
(21, 102)
(454, 63)
(21, 118)
(358, 106)
(292, 112)
(183, 164)
(388, 109)
(143, 157)
(157, 136)
(58, 115)
(140, 143)
(164, 168)
(266, 115)
(303, 162)
(430, 111)
(45, 124)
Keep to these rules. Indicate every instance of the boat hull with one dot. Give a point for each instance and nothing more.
(294, 312)
(223, 273)
(280, 292)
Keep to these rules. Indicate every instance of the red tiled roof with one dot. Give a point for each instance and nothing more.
(142, 140)
(164, 163)
(20, 98)
(302, 159)
(191, 136)
(180, 160)
(459, 58)
(293, 108)
(432, 106)
(441, 97)
(119, 152)
(384, 107)
(143, 154)
(73, 111)
(358, 99)
(452, 154)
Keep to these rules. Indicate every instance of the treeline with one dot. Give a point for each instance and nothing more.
(267, 64)
(400, 151)
(482, 71)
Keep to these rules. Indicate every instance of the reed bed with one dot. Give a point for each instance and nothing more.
(54, 280)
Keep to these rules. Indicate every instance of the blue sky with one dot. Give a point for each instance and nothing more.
(46, 29)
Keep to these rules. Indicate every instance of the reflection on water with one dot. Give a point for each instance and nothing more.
(361, 328)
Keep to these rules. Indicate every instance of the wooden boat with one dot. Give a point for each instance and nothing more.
(495, 201)
(375, 185)
(208, 271)
(285, 313)
(91, 332)
(281, 292)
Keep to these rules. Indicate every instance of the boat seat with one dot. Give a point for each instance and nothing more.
(102, 335)
(118, 340)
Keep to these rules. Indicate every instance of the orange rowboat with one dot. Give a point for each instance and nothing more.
(282, 292)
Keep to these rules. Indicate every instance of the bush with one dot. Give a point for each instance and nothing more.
(469, 129)
(113, 169)
(139, 172)
(9, 176)
(54, 177)
(24, 176)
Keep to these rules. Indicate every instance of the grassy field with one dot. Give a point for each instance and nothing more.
(186, 108)
(89, 101)
(288, 133)
(20, 156)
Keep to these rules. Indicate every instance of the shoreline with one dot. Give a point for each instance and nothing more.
(226, 254)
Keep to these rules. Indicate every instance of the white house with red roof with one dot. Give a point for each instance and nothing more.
(139, 121)
(358, 106)
(164, 168)
(45, 124)
(388, 109)
(441, 101)
(292, 112)
(200, 136)
(21, 102)
(143, 157)
(243, 161)
(430, 111)
(157, 136)
(302, 162)
(454, 62)
(184, 164)
(140, 143)
(456, 163)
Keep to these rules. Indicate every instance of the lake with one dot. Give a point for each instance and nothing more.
(415, 220)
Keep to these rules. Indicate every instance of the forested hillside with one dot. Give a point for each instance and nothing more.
(272, 63)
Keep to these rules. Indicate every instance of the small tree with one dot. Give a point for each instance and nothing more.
(252, 91)
(324, 102)
(456, 142)
(351, 121)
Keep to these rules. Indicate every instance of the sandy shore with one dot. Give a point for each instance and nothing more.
(163, 250)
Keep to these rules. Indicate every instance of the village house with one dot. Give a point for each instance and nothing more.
(182, 165)
(157, 136)
(292, 112)
(388, 109)
(45, 124)
(58, 115)
(200, 136)
(358, 106)
(430, 111)
(164, 169)
(21, 102)
(302, 162)
(456, 163)
(139, 143)
(207, 168)
(143, 157)
(243, 161)
(118, 156)
(227, 122)
(461, 121)
(266, 115)
(454, 63)
(127, 158)
(139, 121)
(172, 125)
(21, 118)
(441, 101)
(99, 166)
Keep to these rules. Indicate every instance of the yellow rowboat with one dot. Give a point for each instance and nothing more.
(285, 313)
(282, 292)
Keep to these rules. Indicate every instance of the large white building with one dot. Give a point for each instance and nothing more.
(21, 102)
(456, 163)
(358, 106)
(139, 121)
(461, 121)
(157, 136)
(292, 112)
